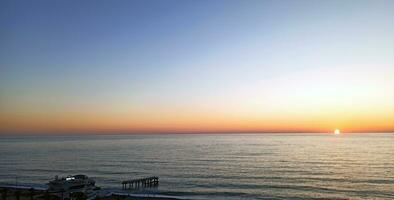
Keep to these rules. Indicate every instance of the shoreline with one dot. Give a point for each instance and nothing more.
(9, 192)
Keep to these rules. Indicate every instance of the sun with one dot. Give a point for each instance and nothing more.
(337, 132)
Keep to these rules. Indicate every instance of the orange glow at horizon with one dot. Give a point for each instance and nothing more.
(316, 104)
(189, 123)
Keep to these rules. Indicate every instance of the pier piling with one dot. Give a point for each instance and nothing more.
(152, 181)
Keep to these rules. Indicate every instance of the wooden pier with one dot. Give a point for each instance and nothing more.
(152, 181)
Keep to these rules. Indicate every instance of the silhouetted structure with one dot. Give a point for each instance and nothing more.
(4, 193)
(78, 196)
(17, 194)
(31, 193)
(142, 182)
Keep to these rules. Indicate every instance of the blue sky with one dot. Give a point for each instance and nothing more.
(164, 58)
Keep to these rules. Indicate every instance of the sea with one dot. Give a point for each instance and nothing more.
(212, 166)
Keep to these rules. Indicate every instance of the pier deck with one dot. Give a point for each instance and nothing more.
(141, 182)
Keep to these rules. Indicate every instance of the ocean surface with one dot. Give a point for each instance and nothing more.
(213, 166)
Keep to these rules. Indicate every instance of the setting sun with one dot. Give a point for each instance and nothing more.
(337, 132)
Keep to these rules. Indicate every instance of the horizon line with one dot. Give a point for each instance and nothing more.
(64, 133)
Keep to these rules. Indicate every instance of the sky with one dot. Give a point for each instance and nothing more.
(191, 66)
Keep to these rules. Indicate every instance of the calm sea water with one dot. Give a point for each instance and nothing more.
(265, 166)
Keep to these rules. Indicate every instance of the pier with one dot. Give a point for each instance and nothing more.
(152, 181)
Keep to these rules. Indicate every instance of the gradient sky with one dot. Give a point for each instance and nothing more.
(196, 66)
